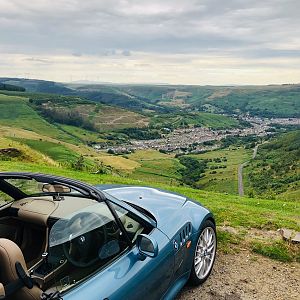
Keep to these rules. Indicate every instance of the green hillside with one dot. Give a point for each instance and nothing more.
(222, 168)
(156, 167)
(10, 87)
(267, 101)
(16, 112)
(38, 86)
(280, 101)
(274, 173)
(200, 119)
(34, 111)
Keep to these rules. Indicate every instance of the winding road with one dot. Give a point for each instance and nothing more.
(240, 172)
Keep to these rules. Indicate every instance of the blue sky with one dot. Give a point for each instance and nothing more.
(137, 41)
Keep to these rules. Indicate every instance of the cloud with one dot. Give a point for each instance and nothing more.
(38, 60)
(77, 54)
(126, 53)
(178, 30)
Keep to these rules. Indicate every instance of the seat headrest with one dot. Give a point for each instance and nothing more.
(10, 253)
(12, 261)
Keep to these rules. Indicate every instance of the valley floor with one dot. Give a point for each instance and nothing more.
(247, 276)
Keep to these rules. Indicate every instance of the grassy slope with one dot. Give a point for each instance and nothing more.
(282, 101)
(19, 120)
(163, 168)
(55, 151)
(155, 167)
(15, 112)
(275, 170)
(116, 162)
(213, 121)
(28, 154)
(225, 180)
(80, 133)
(277, 100)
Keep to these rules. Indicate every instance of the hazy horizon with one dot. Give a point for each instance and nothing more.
(91, 82)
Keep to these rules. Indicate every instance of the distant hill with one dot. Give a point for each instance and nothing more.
(63, 116)
(38, 86)
(266, 101)
(10, 87)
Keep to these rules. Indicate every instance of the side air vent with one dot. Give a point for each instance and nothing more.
(185, 233)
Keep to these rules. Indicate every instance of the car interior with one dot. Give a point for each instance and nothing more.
(51, 242)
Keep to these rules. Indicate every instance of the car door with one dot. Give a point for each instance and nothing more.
(130, 277)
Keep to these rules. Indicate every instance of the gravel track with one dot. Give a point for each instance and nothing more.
(247, 276)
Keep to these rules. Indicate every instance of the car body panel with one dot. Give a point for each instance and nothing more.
(170, 210)
(128, 277)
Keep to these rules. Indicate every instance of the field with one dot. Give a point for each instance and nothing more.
(26, 153)
(221, 174)
(15, 112)
(106, 117)
(156, 167)
(40, 142)
(81, 134)
(55, 151)
(64, 144)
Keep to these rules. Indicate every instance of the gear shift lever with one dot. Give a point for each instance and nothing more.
(45, 259)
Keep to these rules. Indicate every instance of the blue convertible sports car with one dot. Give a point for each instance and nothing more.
(65, 239)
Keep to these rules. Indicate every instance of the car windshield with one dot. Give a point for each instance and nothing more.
(80, 244)
(4, 199)
(30, 187)
(79, 223)
(27, 186)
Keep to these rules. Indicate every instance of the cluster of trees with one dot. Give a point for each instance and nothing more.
(10, 87)
(248, 141)
(142, 133)
(193, 170)
(37, 100)
(69, 117)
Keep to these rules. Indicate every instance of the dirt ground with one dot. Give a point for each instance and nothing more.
(246, 276)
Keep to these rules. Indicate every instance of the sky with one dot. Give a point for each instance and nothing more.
(215, 42)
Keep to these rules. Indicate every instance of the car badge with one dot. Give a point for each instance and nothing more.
(82, 239)
(175, 244)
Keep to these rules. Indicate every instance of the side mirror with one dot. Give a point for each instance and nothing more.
(147, 246)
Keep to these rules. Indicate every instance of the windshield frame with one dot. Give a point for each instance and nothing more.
(17, 194)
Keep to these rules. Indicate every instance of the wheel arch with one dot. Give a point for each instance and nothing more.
(208, 217)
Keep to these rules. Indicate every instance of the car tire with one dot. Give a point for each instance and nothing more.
(204, 253)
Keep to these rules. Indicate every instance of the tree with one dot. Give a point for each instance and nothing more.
(79, 165)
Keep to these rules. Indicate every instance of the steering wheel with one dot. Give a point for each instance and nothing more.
(82, 251)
